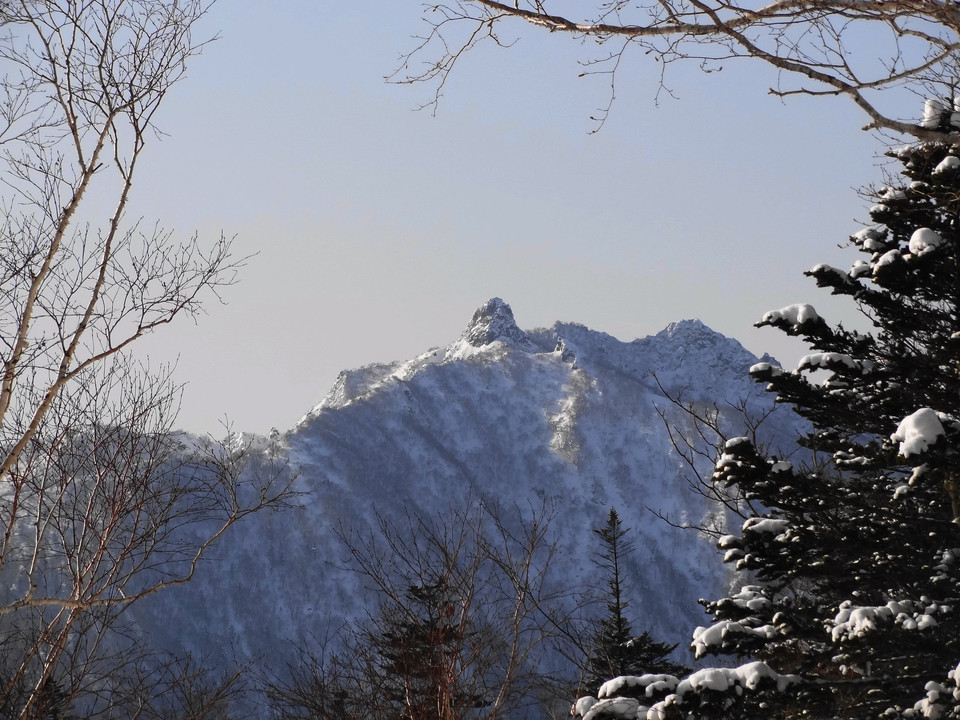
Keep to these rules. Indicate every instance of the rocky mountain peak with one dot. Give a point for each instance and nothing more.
(692, 336)
(494, 321)
(684, 329)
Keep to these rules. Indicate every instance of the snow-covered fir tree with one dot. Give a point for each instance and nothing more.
(615, 649)
(850, 606)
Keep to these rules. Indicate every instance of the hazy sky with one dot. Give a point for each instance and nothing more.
(379, 230)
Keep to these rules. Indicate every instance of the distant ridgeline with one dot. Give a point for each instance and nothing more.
(565, 415)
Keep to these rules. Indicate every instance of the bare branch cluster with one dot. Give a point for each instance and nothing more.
(101, 503)
(698, 433)
(851, 48)
(463, 626)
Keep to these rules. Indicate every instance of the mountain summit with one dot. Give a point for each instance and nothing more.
(565, 415)
(494, 321)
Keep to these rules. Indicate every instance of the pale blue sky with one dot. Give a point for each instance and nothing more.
(379, 229)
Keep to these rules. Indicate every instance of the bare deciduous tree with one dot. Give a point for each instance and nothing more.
(698, 433)
(818, 47)
(100, 503)
(465, 615)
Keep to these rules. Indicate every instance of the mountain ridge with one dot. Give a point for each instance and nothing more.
(564, 415)
(494, 323)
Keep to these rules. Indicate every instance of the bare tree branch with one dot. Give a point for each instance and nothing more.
(852, 48)
(101, 502)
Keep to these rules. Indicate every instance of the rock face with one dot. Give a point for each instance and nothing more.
(565, 415)
(494, 321)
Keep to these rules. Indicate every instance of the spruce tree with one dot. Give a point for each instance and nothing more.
(855, 555)
(851, 559)
(418, 655)
(615, 650)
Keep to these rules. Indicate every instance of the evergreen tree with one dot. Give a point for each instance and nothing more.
(855, 555)
(419, 652)
(854, 558)
(616, 650)
(466, 624)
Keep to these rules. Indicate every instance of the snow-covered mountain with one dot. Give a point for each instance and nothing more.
(564, 414)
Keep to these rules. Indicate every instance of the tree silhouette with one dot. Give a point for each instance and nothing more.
(616, 651)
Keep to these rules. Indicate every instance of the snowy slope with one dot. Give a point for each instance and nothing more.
(565, 414)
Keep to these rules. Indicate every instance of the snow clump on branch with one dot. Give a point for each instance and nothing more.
(918, 431)
(924, 240)
(856, 621)
(623, 697)
(796, 315)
